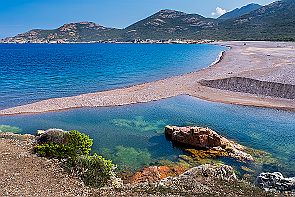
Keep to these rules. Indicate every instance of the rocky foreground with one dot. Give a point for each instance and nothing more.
(24, 174)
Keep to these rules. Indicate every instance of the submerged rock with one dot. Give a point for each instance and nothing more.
(275, 182)
(199, 137)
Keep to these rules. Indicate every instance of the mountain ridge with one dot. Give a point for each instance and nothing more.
(275, 21)
(240, 11)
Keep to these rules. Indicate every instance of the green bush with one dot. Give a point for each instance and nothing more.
(74, 147)
(94, 170)
(76, 143)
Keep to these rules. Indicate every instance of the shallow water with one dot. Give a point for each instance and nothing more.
(33, 72)
(141, 126)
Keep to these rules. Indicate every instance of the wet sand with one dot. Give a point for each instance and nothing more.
(267, 61)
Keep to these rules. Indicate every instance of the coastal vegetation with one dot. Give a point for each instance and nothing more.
(74, 148)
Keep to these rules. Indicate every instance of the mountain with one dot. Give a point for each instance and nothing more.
(275, 21)
(72, 32)
(240, 11)
(168, 24)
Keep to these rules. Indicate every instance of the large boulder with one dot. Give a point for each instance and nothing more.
(56, 136)
(207, 171)
(275, 182)
(199, 137)
(196, 136)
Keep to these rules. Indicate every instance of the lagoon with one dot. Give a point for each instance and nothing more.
(141, 126)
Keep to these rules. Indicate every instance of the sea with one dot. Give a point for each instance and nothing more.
(133, 135)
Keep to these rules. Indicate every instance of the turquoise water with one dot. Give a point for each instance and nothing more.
(141, 126)
(133, 135)
(33, 72)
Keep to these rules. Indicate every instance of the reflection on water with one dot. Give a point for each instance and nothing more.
(140, 127)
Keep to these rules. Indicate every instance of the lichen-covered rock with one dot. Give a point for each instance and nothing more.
(222, 172)
(199, 137)
(275, 182)
(56, 136)
(153, 174)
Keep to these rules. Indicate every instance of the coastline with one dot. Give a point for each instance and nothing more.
(257, 60)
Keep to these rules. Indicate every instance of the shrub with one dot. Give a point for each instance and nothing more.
(74, 147)
(65, 145)
(94, 170)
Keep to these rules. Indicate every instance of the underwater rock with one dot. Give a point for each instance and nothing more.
(153, 174)
(275, 182)
(199, 137)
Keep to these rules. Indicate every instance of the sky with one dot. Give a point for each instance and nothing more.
(18, 16)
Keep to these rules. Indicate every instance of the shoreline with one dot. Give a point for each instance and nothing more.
(251, 60)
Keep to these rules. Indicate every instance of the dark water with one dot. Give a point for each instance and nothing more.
(33, 72)
(141, 126)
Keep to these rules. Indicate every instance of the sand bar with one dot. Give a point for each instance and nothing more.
(265, 61)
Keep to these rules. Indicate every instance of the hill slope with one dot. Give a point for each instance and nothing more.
(72, 32)
(275, 21)
(240, 11)
(168, 24)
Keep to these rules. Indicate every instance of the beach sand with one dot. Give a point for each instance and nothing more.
(264, 61)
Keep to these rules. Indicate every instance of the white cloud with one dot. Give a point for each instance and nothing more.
(218, 12)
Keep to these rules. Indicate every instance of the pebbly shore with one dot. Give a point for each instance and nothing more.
(271, 62)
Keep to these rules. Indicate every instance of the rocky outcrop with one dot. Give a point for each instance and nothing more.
(252, 86)
(200, 137)
(275, 182)
(153, 174)
(222, 172)
(56, 136)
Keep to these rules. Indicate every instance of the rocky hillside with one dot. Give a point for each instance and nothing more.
(169, 24)
(72, 32)
(238, 12)
(275, 21)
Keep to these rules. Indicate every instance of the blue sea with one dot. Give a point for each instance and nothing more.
(33, 72)
(136, 132)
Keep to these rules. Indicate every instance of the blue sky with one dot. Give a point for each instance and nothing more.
(17, 16)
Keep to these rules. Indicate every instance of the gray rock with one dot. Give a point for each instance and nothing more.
(222, 172)
(56, 136)
(275, 182)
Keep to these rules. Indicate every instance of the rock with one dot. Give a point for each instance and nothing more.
(275, 182)
(116, 182)
(199, 137)
(56, 136)
(154, 174)
(40, 132)
(196, 136)
(222, 172)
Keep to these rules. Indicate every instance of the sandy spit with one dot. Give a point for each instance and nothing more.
(268, 61)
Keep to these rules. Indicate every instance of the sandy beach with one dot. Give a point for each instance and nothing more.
(271, 63)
